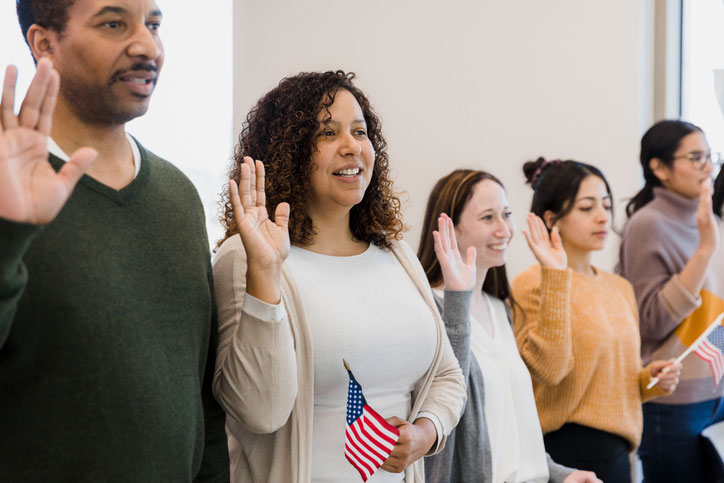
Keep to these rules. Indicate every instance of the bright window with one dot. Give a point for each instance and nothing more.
(703, 68)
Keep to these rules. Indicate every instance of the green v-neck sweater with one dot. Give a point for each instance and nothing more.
(108, 338)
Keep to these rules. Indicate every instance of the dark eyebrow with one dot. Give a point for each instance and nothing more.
(593, 198)
(332, 121)
(109, 9)
(123, 11)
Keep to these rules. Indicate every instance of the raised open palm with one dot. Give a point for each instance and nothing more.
(30, 189)
(705, 219)
(548, 249)
(266, 242)
(456, 273)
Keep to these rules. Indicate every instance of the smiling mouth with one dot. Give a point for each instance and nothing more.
(136, 80)
(499, 247)
(347, 173)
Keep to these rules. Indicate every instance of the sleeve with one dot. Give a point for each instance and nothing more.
(557, 473)
(256, 371)
(447, 396)
(542, 315)
(215, 461)
(15, 239)
(455, 310)
(662, 300)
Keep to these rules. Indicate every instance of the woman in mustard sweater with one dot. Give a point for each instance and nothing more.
(576, 326)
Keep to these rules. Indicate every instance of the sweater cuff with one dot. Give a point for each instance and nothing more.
(15, 239)
(262, 310)
(555, 278)
(455, 309)
(438, 429)
(678, 301)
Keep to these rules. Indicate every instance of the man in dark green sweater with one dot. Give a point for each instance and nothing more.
(107, 314)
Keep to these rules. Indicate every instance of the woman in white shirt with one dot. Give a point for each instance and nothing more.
(500, 421)
(327, 278)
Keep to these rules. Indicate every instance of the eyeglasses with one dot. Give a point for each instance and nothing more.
(699, 159)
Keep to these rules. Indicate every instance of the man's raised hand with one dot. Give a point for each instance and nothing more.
(30, 189)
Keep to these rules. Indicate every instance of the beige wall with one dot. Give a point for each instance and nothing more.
(471, 83)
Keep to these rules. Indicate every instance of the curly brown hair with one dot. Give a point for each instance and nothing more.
(282, 130)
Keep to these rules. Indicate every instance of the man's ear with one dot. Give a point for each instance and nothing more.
(41, 41)
(548, 218)
(660, 170)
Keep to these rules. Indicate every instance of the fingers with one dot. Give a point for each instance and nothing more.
(236, 203)
(451, 231)
(252, 181)
(528, 239)
(78, 164)
(260, 180)
(444, 234)
(30, 108)
(556, 239)
(281, 216)
(48, 106)
(7, 104)
(245, 186)
(471, 256)
(437, 242)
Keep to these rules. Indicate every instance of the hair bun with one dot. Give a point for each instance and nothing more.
(532, 169)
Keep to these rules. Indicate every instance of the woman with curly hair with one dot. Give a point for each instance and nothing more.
(326, 278)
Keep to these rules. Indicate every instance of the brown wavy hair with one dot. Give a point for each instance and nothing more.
(450, 195)
(282, 131)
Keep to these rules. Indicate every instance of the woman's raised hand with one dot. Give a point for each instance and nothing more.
(705, 220)
(266, 242)
(30, 189)
(548, 249)
(456, 274)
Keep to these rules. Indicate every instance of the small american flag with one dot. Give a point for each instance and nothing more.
(368, 439)
(710, 349)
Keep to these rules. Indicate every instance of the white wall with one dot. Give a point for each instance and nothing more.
(471, 83)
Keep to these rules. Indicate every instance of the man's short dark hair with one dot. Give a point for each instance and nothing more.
(50, 14)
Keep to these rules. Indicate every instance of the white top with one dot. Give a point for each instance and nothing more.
(55, 150)
(516, 440)
(365, 309)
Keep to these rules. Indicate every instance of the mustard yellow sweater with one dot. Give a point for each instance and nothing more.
(579, 337)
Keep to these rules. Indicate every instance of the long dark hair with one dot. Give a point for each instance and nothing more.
(450, 195)
(661, 141)
(718, 198)
(556, 183)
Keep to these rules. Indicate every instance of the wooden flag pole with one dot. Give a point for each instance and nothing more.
(714, 325)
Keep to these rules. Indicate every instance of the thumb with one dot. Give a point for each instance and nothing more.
(281, 216)
(78, 164)
(396, 422)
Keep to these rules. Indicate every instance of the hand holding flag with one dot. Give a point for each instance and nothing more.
(369, 439)
(709, 346)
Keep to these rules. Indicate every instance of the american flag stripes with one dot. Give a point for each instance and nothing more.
(368, 439)
(710, 349)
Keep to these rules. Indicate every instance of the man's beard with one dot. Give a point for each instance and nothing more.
(96, 104)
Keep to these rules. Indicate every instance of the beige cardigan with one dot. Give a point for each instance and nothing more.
(264, 376)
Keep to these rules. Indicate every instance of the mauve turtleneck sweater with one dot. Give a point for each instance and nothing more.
(658, 241)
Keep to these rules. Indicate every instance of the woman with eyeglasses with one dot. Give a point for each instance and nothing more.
(671, 253)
